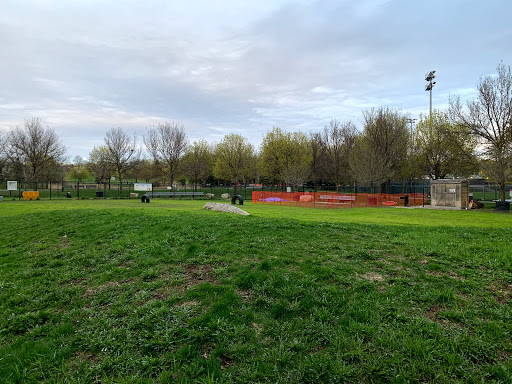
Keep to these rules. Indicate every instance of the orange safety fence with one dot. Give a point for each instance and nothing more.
(337, 200)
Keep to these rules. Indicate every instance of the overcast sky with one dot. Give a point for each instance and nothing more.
(244, 66)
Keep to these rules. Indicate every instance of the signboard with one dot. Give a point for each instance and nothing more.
(143, 187)
(12, 185)
(452, 190)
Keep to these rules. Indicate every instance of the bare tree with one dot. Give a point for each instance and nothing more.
(166, 144)
(320, 162)
(382, 146)
(3, 158)
(122, 151)
(34, 149)
(340, 138)
(489, 118)
(367, 168)
(296, 174)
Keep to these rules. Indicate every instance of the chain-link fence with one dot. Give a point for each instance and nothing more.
(54, 190)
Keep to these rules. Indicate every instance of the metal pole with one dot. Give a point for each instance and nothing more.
(430, 102)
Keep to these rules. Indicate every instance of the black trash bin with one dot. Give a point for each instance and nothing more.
(99, 193)
(405, 199)
(68, 195)
(503, 206)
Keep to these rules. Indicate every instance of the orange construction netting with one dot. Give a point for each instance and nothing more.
(337, 200)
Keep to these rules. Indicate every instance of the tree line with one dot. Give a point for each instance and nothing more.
(463, 140)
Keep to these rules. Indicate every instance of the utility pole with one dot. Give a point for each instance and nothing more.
(411, 121)
(429, 77)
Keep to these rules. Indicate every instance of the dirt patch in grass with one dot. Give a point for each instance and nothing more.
(107, 285)
(198, 274)
(450, 274)
(244, 293)
(163, 293)
(82, 357)
(433, 315)
(501, 291)
(64, 242)
(372, 276)
(191, 303)
(257, 327)
(225, 362)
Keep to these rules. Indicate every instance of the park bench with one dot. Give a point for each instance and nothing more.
(338, 199)
(175, 194)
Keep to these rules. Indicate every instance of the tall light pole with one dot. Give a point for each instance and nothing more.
(411, 121)
(429, 77)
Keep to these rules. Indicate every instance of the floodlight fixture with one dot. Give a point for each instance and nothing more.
(429, 77)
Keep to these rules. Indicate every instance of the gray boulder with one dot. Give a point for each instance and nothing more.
(225, 208)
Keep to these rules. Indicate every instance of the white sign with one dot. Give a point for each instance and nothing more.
(452, 190)
(143, 187)
(12, 185)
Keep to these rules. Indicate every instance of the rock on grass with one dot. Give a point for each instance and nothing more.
(225, 208)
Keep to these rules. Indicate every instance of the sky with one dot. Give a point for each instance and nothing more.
(237, 66)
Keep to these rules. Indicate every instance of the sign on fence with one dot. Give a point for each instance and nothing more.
(12, 185)
(143, 187)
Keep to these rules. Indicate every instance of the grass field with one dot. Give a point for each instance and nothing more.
(116, 291)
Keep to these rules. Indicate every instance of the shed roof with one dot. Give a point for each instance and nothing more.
(449, 181)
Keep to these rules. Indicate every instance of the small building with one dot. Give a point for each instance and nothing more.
(449, 193)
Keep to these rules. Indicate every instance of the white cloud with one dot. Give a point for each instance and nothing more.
(230, 66)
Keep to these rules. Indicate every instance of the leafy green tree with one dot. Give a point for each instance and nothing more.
(234, 159)
(197, 163)
(79, 172)
(444, 148)
(99, 163)
(144, 170)
(285, 157)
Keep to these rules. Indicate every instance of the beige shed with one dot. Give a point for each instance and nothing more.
(449, 193)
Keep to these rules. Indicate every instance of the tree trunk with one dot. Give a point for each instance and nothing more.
(503, 186)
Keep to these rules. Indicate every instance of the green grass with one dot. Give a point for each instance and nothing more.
(119, 291)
